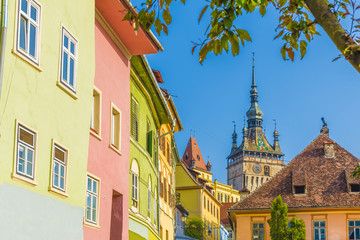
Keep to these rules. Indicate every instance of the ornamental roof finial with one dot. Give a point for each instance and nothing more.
(324, 130)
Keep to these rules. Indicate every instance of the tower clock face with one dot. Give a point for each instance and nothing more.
(257, 168)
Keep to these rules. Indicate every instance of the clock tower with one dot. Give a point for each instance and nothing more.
(255, 160)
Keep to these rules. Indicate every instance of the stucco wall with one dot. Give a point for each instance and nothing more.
(112, 78)
(28, 215)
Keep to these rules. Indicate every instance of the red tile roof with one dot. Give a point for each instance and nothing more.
(326, 180)
(192, 152)
(223, 213)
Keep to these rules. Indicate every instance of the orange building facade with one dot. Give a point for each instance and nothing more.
(316, 186)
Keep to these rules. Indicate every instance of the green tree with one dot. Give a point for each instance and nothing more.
(194, 228)
(297, 24)
(279, 221)
(296, 230)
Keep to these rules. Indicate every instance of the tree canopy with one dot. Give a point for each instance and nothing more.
(297, 24)
(194, 228)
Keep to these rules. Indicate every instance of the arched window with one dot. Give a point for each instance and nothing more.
(155, 207)
(135, 183)
(149, 198)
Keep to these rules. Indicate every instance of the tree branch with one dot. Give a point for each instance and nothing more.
(329, 22)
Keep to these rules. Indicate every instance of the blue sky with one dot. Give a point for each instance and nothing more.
(297, 94)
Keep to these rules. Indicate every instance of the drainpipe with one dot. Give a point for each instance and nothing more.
(4, 13)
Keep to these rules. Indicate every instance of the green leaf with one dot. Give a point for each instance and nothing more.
(303, 45)
(290, 53)
(281, 2)
(262, 10)
(279, 35)
(167, 16)
(202, 12)
(168, 2)
(243, 34)
(234, 45)
(165, 28)
(283, 52)
(158, 26)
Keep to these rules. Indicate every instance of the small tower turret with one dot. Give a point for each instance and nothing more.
(208, 166)
(234, 139)
(276, 140)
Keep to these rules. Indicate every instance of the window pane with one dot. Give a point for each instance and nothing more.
(94, 187)
(24, 5)
(29, 169)
(322, 224)
(261, 225)
(62, 182)
(65, 67)
(21, 166)
(88, 213)
(94, 215)
(21, 152)
(351, 223)
(72, 47)
(62, 171)
(88, 200)
(56, 168)
(22, 33)
(59, 154)
(357, 223)
(89, 184)
(33, 13)
(66, 42)
(255, 225)
(71, 73)
(56, 180)
(30, 156)
(316, 224)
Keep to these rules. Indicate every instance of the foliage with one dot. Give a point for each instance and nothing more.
(279, 221)
(296, 230)
(297, 24)
(356, 173)
(194, 228)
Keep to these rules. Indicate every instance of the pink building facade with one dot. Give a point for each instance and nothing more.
(106, 212)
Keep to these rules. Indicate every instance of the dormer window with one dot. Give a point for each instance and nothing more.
(267, 171)
(198, 157)
(355, 188)
(186, 157)
(299, 189)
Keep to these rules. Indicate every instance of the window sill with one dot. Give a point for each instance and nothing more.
(58, 192)
(115, 149)
(95, 135)
(134, 209)
(68, 91)
(92, 225)
(27, 60)
(23, 179)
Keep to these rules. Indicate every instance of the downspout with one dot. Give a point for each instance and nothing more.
(4, 13)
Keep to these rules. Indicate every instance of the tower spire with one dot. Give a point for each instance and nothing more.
(234, 137)
(254, 114)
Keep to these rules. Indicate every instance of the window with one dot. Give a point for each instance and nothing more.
(134, 119)
(354, 229)
(135, 184)
(258, 231)
(115, 127)
(354, 187)
(149, 138)
(168, 152)
(28, 28)
(169, 193)
(167, 235)
(25, 159)
(319, 230)
(155, 207)
(68, 60)
(92, 196)
(267, 171)
(95, 122)
(161, 232)
(59, 167)
(299, 189)
(149, 198)
(204, 202)
(177, 218)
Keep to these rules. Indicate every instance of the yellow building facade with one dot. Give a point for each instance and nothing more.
(167, 166)
(198, 200)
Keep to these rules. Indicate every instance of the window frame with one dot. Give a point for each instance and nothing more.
(71, 38)
(319, 228)
(252, 230)
(86, 220)
(18, 175)
(96, 130)
(112, 129)
(52, 188)
(149, 200)
(135, 207)
(25, 53)
(348, 226)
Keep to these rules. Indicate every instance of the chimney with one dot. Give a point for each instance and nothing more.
(329, 151)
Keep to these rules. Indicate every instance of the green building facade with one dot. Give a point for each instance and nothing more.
(148, 112)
